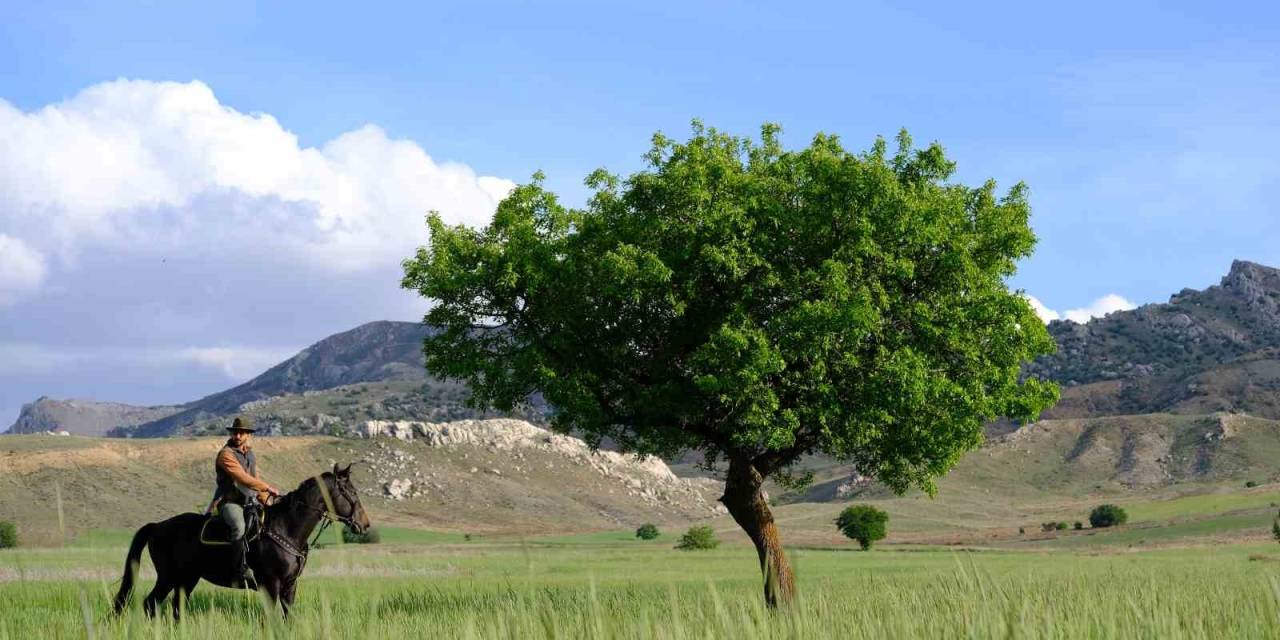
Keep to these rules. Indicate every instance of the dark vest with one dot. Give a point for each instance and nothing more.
(227, 488)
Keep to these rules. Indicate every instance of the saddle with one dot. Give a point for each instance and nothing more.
(216, 533)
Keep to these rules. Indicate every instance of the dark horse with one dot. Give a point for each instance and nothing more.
(277, 555)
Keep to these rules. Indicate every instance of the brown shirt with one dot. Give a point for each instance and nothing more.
(228, 463)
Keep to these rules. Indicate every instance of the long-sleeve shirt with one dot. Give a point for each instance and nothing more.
(231, 466)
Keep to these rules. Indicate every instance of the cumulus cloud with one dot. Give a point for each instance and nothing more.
(236, 363)
(138, 165)
(22, 270)
(1046, 314)
(1097, 309)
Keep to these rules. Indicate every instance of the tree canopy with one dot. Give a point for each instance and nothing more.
(750, 302)
(863, 523)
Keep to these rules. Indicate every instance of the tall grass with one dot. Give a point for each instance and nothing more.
(649, 592)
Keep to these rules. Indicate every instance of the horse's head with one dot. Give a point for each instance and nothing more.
(346, 499)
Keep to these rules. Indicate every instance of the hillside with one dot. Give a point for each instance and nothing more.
(1211, 350)
(474, 483)
(83, 417)
(371, 352)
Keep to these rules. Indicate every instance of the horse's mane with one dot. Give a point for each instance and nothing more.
(300, 495)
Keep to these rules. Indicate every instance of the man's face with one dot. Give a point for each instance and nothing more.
(240, 438)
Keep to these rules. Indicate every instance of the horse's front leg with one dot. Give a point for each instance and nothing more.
(287, 595)
(272, 588)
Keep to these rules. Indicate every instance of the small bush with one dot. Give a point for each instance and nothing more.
(371, 536)
(8, 535)
(1079, 525)
(647, 531)
(697, 538)
(1107, 515)
(863, 523)
(1062, 526)
(1250, 484)
(1022, 531)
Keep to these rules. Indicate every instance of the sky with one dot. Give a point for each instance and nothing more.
(192, 192)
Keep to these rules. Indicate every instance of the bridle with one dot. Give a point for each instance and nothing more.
(327, 517)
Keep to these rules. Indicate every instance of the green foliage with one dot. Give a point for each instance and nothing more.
(1249, 484)
(1107, 515)
(647, 531)
(370, 536)
(1062, 526)
(863, 523)
(698, 538)
(752, 302)
(8, 535)
(1078, 526)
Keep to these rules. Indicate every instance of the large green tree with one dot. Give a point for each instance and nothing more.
(752, 303)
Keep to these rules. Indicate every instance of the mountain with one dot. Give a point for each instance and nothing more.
(84, 417)
(374, 352)
(1203, 351)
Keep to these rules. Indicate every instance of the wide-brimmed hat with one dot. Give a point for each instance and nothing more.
(242, 424)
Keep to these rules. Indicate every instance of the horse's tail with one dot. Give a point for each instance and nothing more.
(140, 540)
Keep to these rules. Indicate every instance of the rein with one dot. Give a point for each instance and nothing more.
(327, 518)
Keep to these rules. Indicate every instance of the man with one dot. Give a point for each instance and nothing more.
(240, 485)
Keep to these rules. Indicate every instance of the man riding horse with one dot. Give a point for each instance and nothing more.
(239, 487)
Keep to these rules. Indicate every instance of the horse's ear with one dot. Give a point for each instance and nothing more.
(335, 468)
(345, 472)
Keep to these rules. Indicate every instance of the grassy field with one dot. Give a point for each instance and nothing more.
(605, 586)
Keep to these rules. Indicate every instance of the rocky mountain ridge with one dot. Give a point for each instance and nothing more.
(376, 351)
(84, 417)
(1212, 350)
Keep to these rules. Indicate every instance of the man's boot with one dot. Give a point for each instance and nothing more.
(242, 574)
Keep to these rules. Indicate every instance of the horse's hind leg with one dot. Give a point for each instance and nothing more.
(182, 596)
(157, 595)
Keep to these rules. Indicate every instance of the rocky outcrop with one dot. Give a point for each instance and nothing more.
(1157, 357)
(646, 478)
(83, 417)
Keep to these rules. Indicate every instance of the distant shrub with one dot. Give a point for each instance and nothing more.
(863, 523)
(1079, 525)
(1249, 484)
(1062, 526)
(1022, 531)
(8, 535)
(697, 538)
(648, 531)
(370, 536)
(1275, 529)
(1107, 515)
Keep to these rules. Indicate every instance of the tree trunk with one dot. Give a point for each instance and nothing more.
(746, 503)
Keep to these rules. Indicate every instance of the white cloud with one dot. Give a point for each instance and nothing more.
(124, 164)
(1100, 307)
(1046, 314)
(1097, 309)
(22, 270)
(237, 363)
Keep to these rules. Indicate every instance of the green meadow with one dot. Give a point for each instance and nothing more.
(608, 586)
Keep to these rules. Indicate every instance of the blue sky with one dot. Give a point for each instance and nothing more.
(1146, 132)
